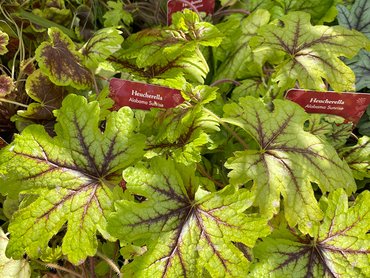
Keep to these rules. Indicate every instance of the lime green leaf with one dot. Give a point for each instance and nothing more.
(203, 33)
(70, 175)
(60, 60)
(116, 14)
(358, 158)
(320, 10)
(312, 52)
(182, 132)
(278, 167)
(192, 67)
(104, 43)
(4, 39)
(249, 87)
(238, 63)
(47, 95)
(357, 18)
(254, 5)
(6, 85)
(185, 228)
(12, 268)
(340, 247)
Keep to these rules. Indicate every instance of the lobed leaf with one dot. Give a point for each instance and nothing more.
(47, 95)
(312, 52)
(116, 14)
(190, 28)
(288, 161)
(185, 228)
(70, 175)
(320, 10)
(60, 60)
(103, 44)
(339, 248)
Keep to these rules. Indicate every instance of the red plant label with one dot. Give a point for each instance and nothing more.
(143, 96)
(350, 106)
(173, 6)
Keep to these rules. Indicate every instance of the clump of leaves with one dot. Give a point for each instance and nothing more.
(235, 181)
(340, 244)
(169, 53)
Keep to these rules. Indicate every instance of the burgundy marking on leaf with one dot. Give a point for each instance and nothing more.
(69, 176)
(184, 232)
(62, 63)
(340, 247)
(6, 85)
(276, 168)
(47, 95)
(312, 52)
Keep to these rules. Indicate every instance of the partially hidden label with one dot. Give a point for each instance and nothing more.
(143, 96)
(207, 6)
(350, 106)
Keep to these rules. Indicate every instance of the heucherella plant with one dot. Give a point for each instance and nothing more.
(236, 181)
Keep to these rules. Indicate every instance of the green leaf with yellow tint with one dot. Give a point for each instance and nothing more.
(186, 229)
(340, 246)
(288, 160)
(61, 62)
(104, 43)
(312, 52)
(71, 176)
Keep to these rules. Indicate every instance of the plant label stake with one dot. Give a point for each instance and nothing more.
(350, 106)
(138, 95)
(173, 6)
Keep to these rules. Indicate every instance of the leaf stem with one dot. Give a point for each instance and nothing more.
(229, 129)
(204, 173)
(61, 268)
(13, 102)
(110, 263)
